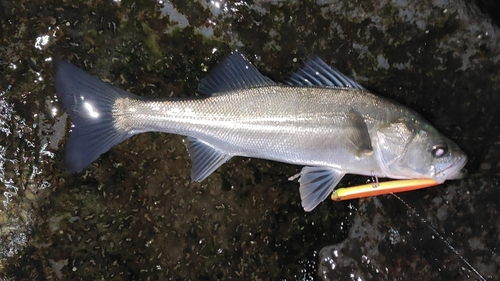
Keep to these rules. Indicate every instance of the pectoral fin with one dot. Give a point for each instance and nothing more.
(205, 158)
(316, 184)
(359, 137)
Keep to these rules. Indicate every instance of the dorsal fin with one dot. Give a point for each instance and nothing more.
(233, 73)
(316, 72)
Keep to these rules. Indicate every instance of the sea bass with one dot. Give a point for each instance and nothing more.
(320, 119)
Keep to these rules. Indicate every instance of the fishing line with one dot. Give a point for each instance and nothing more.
(435, 232)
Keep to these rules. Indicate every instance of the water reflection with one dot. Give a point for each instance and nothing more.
(90, 109)
(23, 153)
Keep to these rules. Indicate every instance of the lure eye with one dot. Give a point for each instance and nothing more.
(439, 150)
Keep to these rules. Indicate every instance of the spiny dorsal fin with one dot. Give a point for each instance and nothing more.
(316, 72)
(233, 73)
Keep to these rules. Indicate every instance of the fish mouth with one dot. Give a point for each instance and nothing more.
(455, 171)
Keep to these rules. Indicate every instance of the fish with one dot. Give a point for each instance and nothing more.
(319, 118)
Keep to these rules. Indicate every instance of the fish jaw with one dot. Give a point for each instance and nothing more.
(455, 171)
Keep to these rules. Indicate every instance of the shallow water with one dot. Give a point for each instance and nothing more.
(133, 214)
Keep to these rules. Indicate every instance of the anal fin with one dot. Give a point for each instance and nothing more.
(205, 158)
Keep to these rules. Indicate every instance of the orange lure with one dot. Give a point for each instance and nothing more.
(381, 188)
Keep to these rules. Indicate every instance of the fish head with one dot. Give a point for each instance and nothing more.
(411, 148)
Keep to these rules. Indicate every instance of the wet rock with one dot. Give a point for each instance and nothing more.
(133, 214)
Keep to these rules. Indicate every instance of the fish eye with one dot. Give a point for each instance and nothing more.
(439, 150)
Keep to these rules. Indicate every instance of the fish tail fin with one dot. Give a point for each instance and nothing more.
(89, 103)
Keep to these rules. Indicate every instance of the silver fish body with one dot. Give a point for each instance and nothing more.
(324, 121)
(296, 125)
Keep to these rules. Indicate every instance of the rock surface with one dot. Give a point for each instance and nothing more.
(133, 214)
